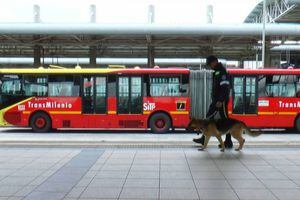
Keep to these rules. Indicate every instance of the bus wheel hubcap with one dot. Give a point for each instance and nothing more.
(160, 123)
(40, 122)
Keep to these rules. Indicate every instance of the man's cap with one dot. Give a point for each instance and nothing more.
(211, 59)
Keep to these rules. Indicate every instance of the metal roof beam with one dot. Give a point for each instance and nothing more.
(275, 10)
(144, 29)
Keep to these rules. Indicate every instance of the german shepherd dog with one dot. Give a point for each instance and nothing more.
(219, 127)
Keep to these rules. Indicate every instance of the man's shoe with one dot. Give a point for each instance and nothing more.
(199, 140)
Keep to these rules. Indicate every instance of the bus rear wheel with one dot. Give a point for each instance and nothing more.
(40, 122)
(160, 123)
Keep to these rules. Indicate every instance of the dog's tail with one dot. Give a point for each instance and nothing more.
(249, 132)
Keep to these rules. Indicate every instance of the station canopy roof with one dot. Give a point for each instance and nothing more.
(280, 11)
(231, 42)
(180, 41)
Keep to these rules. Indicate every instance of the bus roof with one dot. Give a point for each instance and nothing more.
(93, 71)
(264, 71)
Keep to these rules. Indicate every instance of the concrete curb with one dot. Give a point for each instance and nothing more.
(122, 144)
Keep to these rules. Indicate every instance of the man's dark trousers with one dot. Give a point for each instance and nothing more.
(213, 110)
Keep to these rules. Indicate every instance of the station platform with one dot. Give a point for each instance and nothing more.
(139, 165)
(174, 173)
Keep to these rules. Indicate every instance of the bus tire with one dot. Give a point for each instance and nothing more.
(40, 122)
(297, 124)
(160, 123)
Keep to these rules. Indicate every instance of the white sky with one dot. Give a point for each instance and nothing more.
(127, 11)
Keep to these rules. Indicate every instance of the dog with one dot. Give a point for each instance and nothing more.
(220, 127)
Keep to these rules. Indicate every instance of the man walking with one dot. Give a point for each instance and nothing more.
(220, 96)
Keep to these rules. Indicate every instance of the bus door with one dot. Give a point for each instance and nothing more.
(129, 101)
(244, 95)
(94, 95)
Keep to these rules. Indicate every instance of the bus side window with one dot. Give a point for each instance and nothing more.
(164, 86)
(35, 85)
(238, 95)
(271, 86)
(76, 86)
(111, 85)
(184, 87)
(11, 85)
(146, 86)
(262, 86)
(281, 85)
(298, 86)
(288, 86)
(63, 85)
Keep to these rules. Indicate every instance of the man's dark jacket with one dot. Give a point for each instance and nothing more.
(221, 84)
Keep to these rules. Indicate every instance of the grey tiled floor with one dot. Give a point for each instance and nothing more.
(46, 173)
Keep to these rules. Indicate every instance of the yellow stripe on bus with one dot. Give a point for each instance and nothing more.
(112, 112)
(270, 113)
(259, 113)
(57, 112)
(65, 112)
(266, 113)
(287, 113)
(179, 112)
(171, 112)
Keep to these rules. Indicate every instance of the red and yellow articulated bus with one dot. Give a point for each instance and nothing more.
(158, 99)
(46, 99)
(266, 98)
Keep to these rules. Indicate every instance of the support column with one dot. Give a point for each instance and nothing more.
(275, 60)
(93, 56)
(93, 13)
(256, 61)
(209, 14)
(36, 48)
(209, 19)
(93, 49)
(37, 56)
(268, 54)
(241, 63)
(150, 47)
(151, 62)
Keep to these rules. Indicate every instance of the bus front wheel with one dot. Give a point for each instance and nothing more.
(40, 122)
(160, 123)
